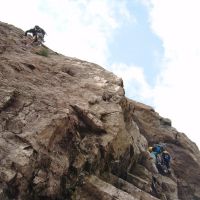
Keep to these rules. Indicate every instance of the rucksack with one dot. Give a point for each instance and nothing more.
(159, 148)
(39, 30)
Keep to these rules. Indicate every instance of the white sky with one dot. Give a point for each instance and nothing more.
(85, 28)
(176, 94)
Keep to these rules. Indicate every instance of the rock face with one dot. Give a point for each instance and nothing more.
(67, 131)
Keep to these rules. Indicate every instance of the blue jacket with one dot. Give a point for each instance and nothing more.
(153, 155)
(158, 149)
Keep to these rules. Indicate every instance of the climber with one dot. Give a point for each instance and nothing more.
(153, 154)
(37, 33)
(166, 159)
(152, 158)
(160, 157)
(163, 163)
(155, 150)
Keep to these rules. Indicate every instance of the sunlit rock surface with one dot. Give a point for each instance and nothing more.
(67, 131)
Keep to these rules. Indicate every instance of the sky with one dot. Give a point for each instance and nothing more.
(154, 45)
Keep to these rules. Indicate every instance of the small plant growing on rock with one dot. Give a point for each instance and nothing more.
(43, 52)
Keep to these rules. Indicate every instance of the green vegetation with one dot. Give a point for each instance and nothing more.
(43, 52)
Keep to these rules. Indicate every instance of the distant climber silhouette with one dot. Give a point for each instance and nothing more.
(38, 34)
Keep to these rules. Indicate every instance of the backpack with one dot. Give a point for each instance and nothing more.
(158, 149)
(39, 30)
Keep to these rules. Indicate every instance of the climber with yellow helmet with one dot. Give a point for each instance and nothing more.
(152, 153)
(155, 150)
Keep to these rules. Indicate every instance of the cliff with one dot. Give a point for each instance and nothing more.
(67, 131)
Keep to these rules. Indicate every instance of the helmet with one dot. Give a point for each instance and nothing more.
(165, 152)
(150, 149)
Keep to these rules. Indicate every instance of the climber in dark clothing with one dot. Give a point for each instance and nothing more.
(166, 159)
(37, 33)
(163, 162)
